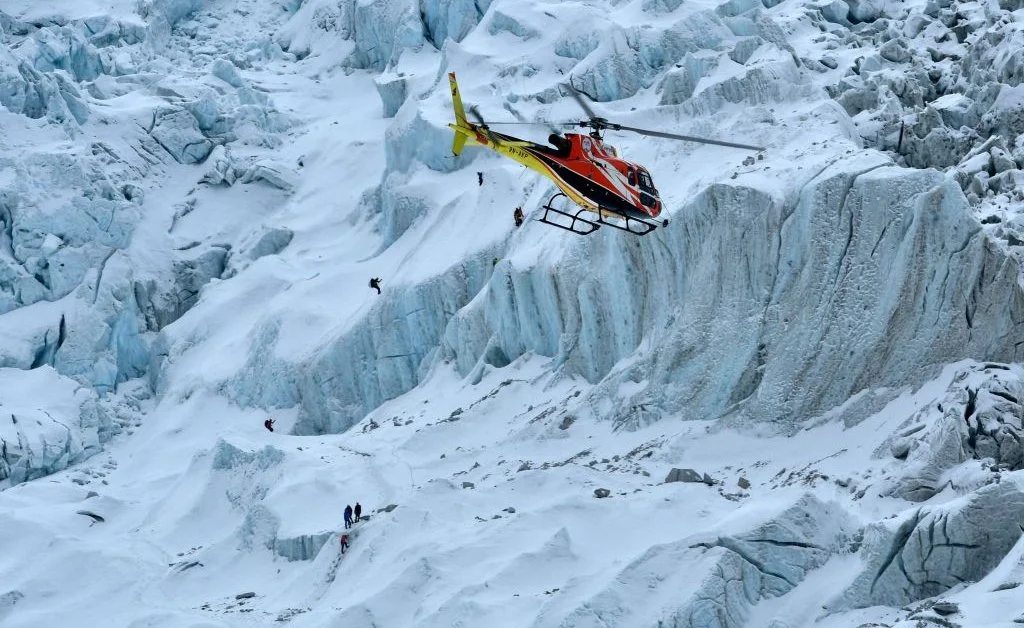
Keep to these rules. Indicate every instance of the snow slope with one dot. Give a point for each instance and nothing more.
(193, 194)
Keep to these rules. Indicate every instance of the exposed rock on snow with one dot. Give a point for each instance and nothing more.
(687, 475)
(8, 600)
(934, 549)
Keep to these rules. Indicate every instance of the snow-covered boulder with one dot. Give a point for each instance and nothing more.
(835, 11)
(47, 422)
(865, 10)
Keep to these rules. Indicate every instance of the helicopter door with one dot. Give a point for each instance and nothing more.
(648, 195)
(631, 175)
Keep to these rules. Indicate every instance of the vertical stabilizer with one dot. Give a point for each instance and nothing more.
(460, 116)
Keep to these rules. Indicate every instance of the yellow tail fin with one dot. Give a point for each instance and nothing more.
(460, 116)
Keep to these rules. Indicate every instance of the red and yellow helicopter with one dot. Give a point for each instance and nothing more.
(587, 171)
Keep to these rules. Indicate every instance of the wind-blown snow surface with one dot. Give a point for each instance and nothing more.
(194, 193)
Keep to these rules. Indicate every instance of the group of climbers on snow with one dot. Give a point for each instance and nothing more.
(349, 512)
(351, 516)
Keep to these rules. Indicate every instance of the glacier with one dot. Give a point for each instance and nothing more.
(194, 193)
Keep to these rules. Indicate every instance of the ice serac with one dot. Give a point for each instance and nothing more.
(444, 19)
(162, 15)
(738, 306)
(27, 91)
(380, 357)
(390, 347)
(979, 418)
(933, 549)
(627, 60)
(304, 547)
(42, 436)
(729, 574)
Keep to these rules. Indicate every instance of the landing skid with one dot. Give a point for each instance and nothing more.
(583, 226)
(578, 225)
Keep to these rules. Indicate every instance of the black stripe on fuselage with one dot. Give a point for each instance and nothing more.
(597, 193)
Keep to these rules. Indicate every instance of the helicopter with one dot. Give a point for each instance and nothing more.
(587, 171)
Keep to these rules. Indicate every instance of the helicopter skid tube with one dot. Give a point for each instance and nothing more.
(579, 225)
(632, 225)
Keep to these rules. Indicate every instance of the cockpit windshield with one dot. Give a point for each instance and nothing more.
(645, 182)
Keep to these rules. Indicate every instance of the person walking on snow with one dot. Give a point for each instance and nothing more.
(480, 178)
(517, 216)
(358, 511)
(269, 424)
(348, 517)
(375, 283)
(344, 543)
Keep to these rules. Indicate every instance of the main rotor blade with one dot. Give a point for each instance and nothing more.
(542, 123)
(476, 115)
(685, 138)
(579, 101)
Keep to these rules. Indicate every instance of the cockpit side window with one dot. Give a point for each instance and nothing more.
(645, 182)
(631, 175)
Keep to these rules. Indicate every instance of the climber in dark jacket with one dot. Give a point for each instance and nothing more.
(375, 283)
(269, 424)
(517, 216)
(348, 517)
(358, 512)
